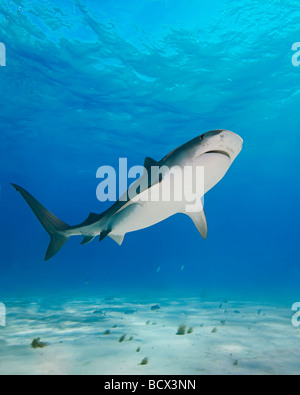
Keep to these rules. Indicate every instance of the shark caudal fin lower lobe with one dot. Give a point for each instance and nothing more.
(53, 225)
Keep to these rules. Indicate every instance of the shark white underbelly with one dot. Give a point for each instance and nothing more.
(152, 209)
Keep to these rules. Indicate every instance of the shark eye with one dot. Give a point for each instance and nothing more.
(202, 137)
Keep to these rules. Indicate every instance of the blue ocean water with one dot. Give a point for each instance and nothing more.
(87, 83)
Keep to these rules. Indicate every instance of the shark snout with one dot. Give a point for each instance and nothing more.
(232, 143)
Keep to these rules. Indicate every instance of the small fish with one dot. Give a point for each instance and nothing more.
(156, 307)
(130, 311)
(158, 269)
(99, 312)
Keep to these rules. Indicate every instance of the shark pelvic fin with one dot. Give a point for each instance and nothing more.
(104, 233)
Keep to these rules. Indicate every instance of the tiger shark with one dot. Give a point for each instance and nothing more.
(213, 151)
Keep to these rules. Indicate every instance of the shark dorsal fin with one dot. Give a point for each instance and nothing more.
(149, 162)
(200, 222)
(92, 217)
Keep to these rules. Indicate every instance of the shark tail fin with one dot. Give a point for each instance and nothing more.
(53, 225)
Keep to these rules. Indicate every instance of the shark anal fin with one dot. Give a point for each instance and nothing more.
(117, 238)
(104, 233)
(87, 239)
(200, 222)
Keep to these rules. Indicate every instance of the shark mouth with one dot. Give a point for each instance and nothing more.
(218, 152)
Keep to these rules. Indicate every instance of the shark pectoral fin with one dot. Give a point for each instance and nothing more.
(117, 238)
(199, 220)
(87, 239)
(149, 162)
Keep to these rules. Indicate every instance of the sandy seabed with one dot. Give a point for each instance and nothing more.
(227, 337)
